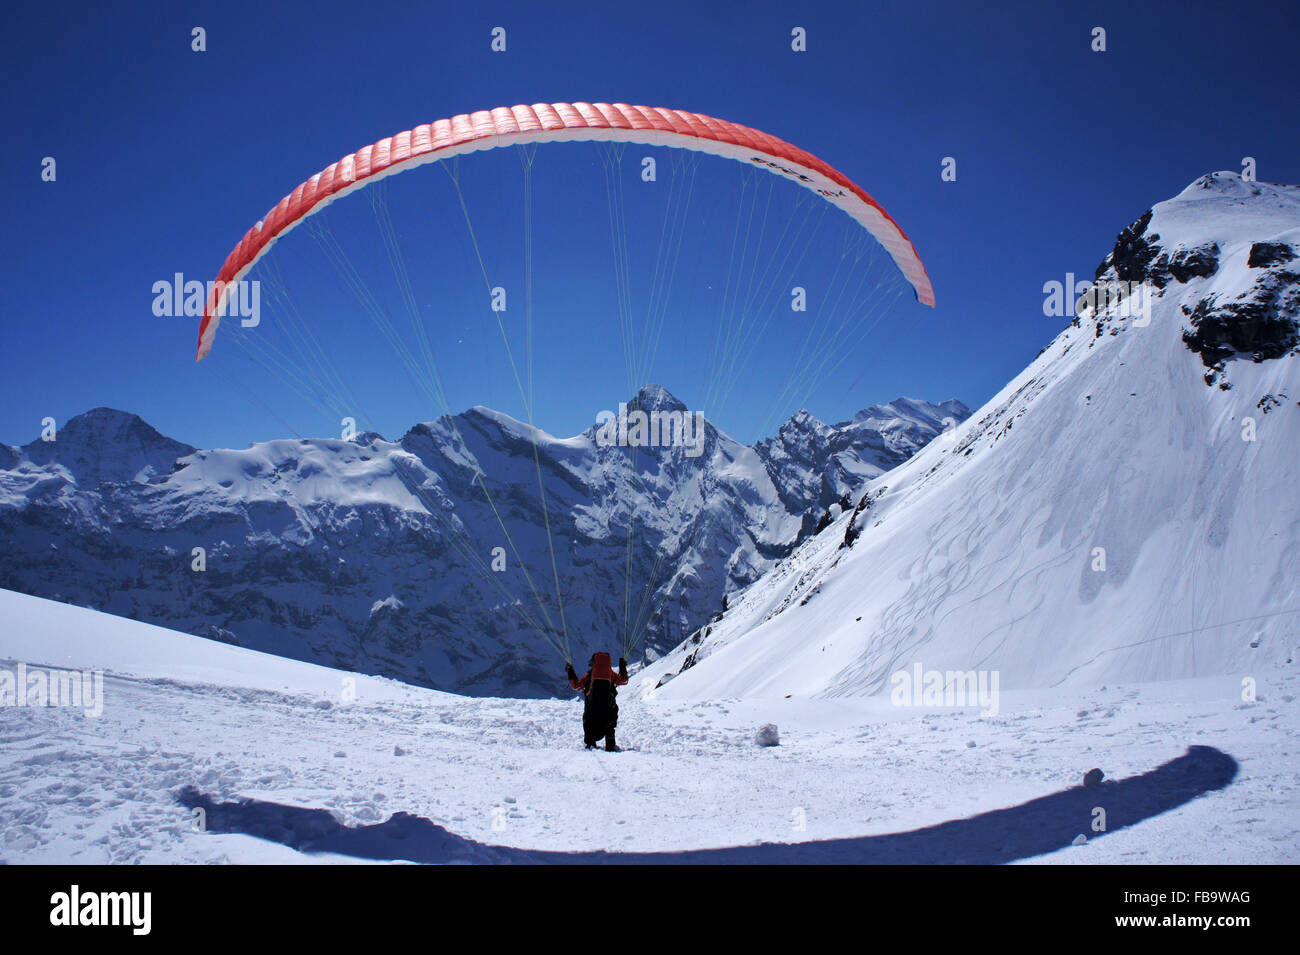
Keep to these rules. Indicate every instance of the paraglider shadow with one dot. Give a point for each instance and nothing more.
(1004, 835)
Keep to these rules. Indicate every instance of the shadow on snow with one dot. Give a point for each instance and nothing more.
(1003, 835)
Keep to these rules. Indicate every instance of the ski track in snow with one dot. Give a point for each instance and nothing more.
(513, 773)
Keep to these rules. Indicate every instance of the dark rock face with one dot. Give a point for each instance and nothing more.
(1264, 254)
(1262, 324)
(1139, 257)
(1186, 264)
(1134, 252)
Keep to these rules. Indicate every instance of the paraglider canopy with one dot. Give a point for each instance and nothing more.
(561, 122)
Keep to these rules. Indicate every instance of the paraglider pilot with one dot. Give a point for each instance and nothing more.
(599, 687)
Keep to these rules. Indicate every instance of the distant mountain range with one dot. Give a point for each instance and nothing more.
(428, 558)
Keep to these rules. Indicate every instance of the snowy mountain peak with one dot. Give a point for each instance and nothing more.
(1225, 182)
(1219, 208)
(107, 445)
(804, 422)
(902, 411)
(1221, 252)
(104, 425)
(653, 397)
(480, 414)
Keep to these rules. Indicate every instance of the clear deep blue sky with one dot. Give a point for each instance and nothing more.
(166, 156)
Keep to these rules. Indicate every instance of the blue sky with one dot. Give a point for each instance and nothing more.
(166, 156)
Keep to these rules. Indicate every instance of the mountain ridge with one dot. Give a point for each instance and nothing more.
(374, 554)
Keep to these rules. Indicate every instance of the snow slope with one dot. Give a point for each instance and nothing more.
(1124, 510)
(60, 636)
(285, 771)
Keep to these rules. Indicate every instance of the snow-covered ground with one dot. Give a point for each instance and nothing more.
(446, 778)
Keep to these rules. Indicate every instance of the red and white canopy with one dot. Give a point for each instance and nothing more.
(561, 122)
